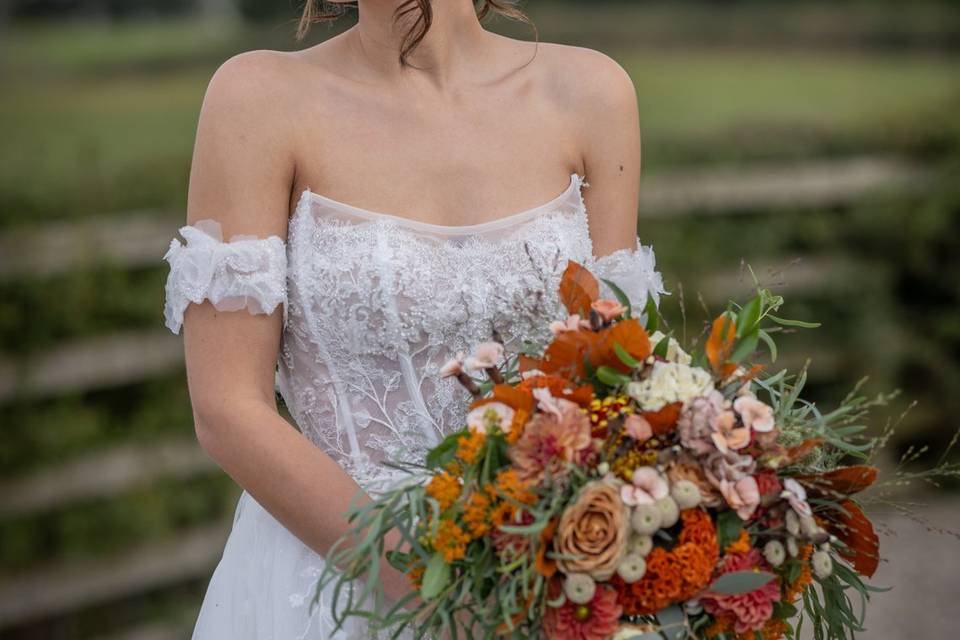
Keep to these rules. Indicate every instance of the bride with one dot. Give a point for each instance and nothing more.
(469, 161)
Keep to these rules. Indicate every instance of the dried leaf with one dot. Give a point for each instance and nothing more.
(578, 289)
(664, 420)
(854, 529)
(720, 343)
(632, 338)
(840, 483)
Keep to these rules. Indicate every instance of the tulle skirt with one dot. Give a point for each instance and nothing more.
(263, 586)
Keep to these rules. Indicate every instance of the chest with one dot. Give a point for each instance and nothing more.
(375, 287)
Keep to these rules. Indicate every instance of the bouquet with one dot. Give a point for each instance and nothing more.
(612, 485)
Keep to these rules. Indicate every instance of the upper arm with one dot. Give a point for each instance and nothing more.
(241, 177)
(609, 126)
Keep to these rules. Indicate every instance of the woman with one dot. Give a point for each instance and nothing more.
(451, 145)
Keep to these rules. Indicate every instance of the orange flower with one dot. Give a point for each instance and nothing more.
(740, 545)
(445, 488)
(475, 514)
(509, 485)
(469, 446)
(675, 575)
(550, 441)
(451, 541)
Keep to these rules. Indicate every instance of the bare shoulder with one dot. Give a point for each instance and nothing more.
(588, 79)
(253, 80)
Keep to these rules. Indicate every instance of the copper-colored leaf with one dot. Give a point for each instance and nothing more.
(840, 483)
(630, 335)
(527, 363)
(509, 395)
(854, 529)
(545, 566)
(565, 355)
(578, 289)
(719, 345)
(801, 451)
(559, 388)
(664, 420)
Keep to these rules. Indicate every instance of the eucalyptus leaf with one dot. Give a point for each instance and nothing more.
(737, 582)
(673, 623)
(435, 578)
(770, 344)
(793, 323)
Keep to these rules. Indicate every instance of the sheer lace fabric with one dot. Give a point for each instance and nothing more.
(375, 304)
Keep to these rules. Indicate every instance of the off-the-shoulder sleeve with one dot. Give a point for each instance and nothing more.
(245, 273)
(634, 271)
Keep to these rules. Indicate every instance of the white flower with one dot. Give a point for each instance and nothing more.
(481, 417)
(686, 494)
(674, 352)
(774, 552)
(822, 564)
(639, 544)
(794, 492)
(669, 512)
(670, 382)
(646, 519)
(579, 588)
(632, 568)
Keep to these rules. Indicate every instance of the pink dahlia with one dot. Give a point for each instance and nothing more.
(595, 620)
(750, 610)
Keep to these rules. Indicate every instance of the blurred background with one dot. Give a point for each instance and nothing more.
(818, 142)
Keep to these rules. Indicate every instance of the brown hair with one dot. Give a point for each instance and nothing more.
(323, 11)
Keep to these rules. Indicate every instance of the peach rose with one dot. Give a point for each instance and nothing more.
(608, 309)
(593, 530)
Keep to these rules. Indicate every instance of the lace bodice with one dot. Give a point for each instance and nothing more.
(375, 304)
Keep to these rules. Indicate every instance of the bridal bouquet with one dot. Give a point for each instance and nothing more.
(612, 485)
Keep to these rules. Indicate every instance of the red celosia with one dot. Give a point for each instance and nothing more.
(596, 620)
(751, 610)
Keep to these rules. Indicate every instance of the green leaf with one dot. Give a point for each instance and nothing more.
(748, 317)
(737, 582)
(729, 526)
(793, 323)
(653, 315)
(443, 452)
(662, 347)
(435, 578)
(625, 357)
(611, 377)
(622, 298)
(770, 344)
(746, 346)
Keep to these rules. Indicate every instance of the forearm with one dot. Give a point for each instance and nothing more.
(299, 484)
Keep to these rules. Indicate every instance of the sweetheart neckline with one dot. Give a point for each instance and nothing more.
(576, 181)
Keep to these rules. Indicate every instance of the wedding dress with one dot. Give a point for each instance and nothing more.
(373, 305)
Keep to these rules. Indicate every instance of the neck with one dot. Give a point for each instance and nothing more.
(454, 39)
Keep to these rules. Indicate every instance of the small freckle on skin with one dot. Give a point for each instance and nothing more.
(621, 167)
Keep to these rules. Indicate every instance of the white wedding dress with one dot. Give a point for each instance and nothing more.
(373, 305)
